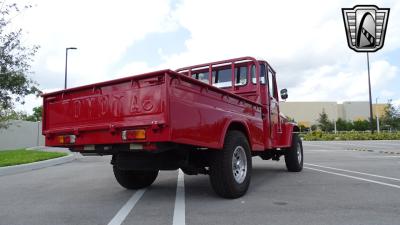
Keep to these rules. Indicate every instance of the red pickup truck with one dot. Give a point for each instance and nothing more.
(204, 119)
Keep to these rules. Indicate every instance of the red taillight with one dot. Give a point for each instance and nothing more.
(139, 134)
(66, 139)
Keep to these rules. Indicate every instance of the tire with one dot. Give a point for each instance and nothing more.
(227, 180)
(294, 155)
(134, 179)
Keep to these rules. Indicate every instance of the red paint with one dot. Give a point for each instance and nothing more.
(171, 106)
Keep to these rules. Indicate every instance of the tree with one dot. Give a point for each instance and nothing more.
(341, 124)
(15, 60)
(391, 118)
(303, 128)
(37, 114)
(361, 125)
(313, 127)
(323, 122)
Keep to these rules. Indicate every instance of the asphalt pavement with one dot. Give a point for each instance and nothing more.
(355, 182)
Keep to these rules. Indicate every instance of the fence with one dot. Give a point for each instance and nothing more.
(21, 134)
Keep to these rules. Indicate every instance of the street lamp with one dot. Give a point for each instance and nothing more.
(66, 64)
(371, 118)
(377, 116)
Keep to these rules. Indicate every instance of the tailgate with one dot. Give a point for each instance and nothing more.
(104, 109)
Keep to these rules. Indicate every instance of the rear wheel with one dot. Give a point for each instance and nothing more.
(230, 170)
(294, 155)
(134, 179)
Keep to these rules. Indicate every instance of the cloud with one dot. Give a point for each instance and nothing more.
(344, 83)
(304, 41)
(133, 69)
(101, 30)
(397, 102)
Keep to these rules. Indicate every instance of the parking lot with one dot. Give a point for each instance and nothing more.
(354, 182)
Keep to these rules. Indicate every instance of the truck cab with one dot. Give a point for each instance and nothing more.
(254, 80)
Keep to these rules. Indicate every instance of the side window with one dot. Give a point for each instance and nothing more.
(214, 77)
(271, 86)
(253, 74)
(203, 77)
(241, 75)
(222, 78)
(262, 74)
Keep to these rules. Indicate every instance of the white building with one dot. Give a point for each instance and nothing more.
(307, 113)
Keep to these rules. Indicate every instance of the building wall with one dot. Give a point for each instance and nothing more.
(379, 109)
(307, 113)
(356, 110)
(21, 134)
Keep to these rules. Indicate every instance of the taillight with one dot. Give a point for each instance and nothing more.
(66, 139)
(138, 134)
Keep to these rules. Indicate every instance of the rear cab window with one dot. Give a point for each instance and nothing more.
(241, 75)
(222, 78)
(203, 77)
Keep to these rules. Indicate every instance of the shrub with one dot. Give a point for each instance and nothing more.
(352, 135)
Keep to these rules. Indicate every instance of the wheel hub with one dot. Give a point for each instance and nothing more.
(299, 156)
(239, 164)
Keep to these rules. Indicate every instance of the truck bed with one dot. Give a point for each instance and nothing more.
(169, 106)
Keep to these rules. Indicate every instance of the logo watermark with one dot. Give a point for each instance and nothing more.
(365, 27)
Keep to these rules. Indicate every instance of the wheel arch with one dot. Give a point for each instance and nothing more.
(295, 128)
(235, 125)
(289, 130)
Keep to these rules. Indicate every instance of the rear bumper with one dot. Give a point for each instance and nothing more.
(106, 138)
(153, 148)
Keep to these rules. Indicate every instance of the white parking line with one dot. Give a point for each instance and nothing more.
(124, 211)
(392, 144)
(356, 178)
(179, 209)
(351, 171)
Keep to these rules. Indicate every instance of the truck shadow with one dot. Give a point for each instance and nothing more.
(263, 176)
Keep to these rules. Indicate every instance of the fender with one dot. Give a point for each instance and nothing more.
(237, 125)
(286, 137)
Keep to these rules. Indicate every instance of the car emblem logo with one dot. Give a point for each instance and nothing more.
(365, 27)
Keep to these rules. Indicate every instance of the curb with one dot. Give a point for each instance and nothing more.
(369, 150)
(8, 170)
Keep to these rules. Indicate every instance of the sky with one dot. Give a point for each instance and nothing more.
(304, 41)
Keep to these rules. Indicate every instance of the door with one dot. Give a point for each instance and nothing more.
(272, 99)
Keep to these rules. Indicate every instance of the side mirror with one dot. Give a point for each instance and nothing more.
(284, 94)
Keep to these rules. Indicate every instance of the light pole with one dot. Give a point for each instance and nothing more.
(377, 115)
(66, 64)
(370, 98)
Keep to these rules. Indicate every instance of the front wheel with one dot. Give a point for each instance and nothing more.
(294, 155)
(230, 170)
(134, 179)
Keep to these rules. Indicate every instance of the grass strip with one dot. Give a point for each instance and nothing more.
(22, 156)
(349, 136)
